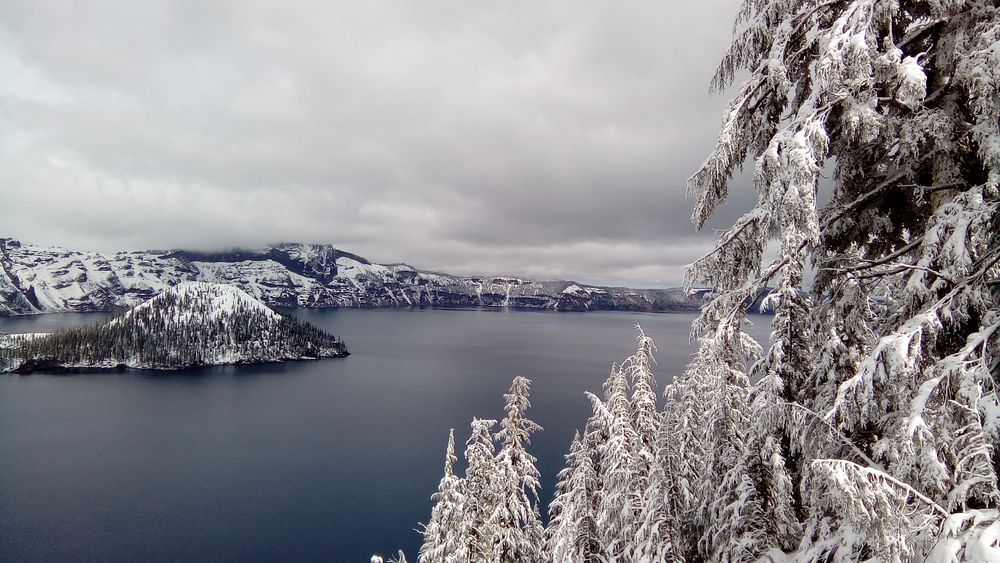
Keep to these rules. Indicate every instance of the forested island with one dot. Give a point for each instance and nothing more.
(190, 325)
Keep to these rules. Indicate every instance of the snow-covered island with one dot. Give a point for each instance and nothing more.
(189, 325)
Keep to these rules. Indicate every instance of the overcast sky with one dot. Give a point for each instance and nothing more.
(548, 139)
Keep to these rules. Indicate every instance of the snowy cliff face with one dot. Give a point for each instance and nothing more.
(35, 279)
(190, 324)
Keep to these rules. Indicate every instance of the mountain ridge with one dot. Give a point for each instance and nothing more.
(39, 279)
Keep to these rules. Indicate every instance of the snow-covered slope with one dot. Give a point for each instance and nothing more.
(190, 324)
(194, 303)
(36, 279)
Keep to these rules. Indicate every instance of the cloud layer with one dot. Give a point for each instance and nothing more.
(549, 139)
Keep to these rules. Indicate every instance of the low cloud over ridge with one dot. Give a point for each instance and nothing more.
(549, 140)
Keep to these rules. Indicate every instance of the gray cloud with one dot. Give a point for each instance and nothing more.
(546, 139)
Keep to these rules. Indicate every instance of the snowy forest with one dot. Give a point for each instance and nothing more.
(192, 324)
(868, 428)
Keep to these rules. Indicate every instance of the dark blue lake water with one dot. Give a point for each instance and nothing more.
(308, 461)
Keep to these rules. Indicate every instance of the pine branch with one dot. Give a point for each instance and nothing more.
(875, 475)
(873, 263)
(836, 434)
(863, 199)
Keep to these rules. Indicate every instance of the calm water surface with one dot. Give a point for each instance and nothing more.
(307, 461)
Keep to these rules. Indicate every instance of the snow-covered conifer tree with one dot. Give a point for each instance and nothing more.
(618, 502)
(572, 532)
(482, 493)
(652, 541)
(772, 458)
(665, 498)
(730, 511)
(672, 519)
(491, 514)
(900, 100)
(443, 541)
(516, 518)
(645, 418)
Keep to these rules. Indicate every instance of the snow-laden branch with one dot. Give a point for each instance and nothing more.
(851, 470)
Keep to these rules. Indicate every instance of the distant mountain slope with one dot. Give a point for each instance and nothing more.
(191, 324)
(35, 279)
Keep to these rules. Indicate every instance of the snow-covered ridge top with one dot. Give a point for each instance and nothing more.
(574, 288)
(216, 299)
(350, 268)
(35, 279)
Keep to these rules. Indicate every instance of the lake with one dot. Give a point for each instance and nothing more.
(326, 460)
